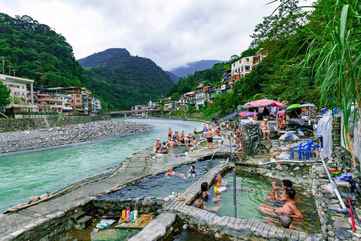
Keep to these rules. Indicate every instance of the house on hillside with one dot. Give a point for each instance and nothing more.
(202, 95)
(22, 94)
(240, 67)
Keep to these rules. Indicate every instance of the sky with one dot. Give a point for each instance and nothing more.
(170, 32)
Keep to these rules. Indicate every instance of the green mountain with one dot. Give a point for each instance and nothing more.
(122, 80)
(32, 50)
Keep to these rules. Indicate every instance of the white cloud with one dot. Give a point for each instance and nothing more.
(171, 32)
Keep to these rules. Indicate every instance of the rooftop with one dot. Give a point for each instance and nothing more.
(8, 78)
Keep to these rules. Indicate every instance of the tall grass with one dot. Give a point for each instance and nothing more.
(335, 54)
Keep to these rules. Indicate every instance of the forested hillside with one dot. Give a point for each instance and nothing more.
(123, 80)
(210, 76)
(33, 50)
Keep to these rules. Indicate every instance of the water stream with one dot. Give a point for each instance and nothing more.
(24, 175)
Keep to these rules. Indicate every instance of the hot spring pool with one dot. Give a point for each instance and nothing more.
(161, 186)
(251, 192)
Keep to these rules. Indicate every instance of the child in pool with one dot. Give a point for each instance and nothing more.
(192, 171)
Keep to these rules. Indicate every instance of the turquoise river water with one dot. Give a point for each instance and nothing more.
(24, 175)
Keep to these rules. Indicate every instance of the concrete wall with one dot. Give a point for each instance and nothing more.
(7, 125)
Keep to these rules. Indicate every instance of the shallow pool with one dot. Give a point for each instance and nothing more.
(162, 186)
(91, 234)
(251, 191)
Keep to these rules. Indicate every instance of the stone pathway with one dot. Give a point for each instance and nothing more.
(133, 168)
(233, 227)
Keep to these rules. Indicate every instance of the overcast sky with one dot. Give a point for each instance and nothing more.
(171, 32)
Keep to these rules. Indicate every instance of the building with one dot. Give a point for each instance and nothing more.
(96, 105)
(202, 95)
(81, 98)
(242, 67)
(22, 94)
(189, 98)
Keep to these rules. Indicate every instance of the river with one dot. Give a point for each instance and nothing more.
(23, 175)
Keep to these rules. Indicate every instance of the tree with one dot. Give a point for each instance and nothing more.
(4, 96)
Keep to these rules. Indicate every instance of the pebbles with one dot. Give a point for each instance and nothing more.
(58, 136)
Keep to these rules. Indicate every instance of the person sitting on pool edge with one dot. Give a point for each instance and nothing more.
(289, 208)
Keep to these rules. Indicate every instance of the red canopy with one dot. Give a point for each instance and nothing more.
(263, 103)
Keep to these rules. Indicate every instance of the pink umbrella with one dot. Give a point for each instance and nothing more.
(263, 103)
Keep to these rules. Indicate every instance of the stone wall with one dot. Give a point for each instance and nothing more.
(335, 226)
(298, 172)
(46, 121)
(59, 136)
(54, 227)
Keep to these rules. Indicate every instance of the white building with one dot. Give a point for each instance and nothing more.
(242, 67)
(21, 91)
(97, 106)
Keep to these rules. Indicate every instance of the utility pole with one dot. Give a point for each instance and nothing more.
(232, 159)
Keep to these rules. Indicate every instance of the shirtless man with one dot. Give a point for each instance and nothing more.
(289, 208)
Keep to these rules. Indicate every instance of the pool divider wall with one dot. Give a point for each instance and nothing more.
(158, 229)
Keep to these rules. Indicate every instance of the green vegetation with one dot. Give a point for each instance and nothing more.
(283, 74)
(4, 96)
(210, 77)
(33, 50)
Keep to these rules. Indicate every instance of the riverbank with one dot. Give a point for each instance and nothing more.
(29, 223)
(72, 134)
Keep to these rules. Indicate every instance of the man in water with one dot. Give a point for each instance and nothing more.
(289, 208)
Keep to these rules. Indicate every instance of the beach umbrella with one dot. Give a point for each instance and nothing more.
(263, 103)
(308, 105)
(293, 107)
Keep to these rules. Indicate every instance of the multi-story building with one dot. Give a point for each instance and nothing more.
(53, 102)
(81, 98)
(242, 67)
(202, 95)
(21, 91)
(189, 98)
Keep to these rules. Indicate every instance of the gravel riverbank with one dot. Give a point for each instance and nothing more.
(72, 134)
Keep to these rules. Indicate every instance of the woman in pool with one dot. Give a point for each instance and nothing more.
(288, 209)
(164, 148)
(171, 173)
